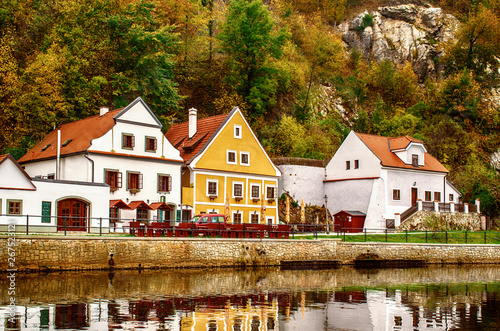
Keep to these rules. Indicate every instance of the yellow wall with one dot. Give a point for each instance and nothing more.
(245, 206)
(215, 156)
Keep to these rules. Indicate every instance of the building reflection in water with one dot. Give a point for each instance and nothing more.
(256, 300)
(359, 309)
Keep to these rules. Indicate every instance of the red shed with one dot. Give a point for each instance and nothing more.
(349, 221)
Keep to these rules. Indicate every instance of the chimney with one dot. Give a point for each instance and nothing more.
(192, 122)
(103, 110)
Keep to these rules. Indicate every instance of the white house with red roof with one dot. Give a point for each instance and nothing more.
(383, 176)
(32, 202)
(124, 148)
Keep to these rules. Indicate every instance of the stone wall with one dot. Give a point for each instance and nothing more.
(431, 220)
(79, 253)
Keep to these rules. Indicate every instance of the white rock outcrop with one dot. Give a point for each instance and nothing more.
(408, 32)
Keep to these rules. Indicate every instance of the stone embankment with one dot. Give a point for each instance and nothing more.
(84, 253)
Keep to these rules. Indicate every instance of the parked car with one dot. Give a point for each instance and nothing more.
(209, 221)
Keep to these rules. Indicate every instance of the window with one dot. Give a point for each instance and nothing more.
(66, 142)
(255, 194)
(450, 198)
(254, 218)
(237, 190)
(396, 195)
(271, 192)
(236, 218)
(150, 144)
(356, 164)
(113, 178)
(164, 183)
(237, 131)
(134, 182)
(244, 158)
(437, 196)
(347, 165)
(212, 187)
(14, 207)
(231, 157)
(428, 196)
(142, 214)
(45, 147)
(128, 141)
(51, 176)
(414, 160)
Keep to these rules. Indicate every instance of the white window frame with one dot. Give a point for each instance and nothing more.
(252, 185)
(216, 181)
(242, 190)
(235, 156)
(268, 218)
(250, 213)
(238, 128)
(238, 212)
(241, 158)
(275, 192)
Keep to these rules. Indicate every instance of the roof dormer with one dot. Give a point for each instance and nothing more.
(411, 151)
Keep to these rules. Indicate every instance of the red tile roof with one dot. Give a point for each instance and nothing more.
(79, 134)
(160, 206)
(382, 147)
(205, 130)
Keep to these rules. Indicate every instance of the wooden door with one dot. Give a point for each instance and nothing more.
(72, 215)
(414, 192)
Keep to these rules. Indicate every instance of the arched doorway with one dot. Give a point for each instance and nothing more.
(72, 215)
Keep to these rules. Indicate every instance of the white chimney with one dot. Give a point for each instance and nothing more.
(192, 122)
(103, 110)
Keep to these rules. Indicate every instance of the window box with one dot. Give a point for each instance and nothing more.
(270, 200)
(212, 196)
(255, 199)
(113, 189)
(134, 190)
(238, 198)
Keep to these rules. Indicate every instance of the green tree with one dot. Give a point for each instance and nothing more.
(476, 47)
(249, 40)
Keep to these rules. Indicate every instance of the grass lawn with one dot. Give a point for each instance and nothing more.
(434, 237)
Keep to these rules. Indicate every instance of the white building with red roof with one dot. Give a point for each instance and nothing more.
(383, 176)
(124, 148)
(32, 202)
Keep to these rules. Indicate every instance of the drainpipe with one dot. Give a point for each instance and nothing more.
(92, 162)
(58, 156)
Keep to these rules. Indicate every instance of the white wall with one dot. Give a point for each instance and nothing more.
(353, 149)
(404, 180)
(303, 182)
(47, 190)
(349, 195)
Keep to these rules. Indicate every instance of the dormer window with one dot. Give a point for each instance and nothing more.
(45, 147)
(414, 160)
(66, 142)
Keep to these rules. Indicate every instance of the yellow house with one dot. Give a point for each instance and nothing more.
(226, 169)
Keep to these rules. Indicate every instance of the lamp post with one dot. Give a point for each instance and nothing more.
(326, 214)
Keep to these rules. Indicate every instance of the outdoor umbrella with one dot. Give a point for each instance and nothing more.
(302, 212)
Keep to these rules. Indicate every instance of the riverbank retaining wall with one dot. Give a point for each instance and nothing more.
(79, 253)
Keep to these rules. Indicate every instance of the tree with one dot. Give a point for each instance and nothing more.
(249, 40)
(476, 47)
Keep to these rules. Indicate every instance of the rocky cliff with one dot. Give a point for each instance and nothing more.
(404, 32)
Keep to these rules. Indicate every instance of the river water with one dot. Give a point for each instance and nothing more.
(434, 298)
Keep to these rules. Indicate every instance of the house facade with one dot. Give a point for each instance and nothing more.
(123, 148)
(36, 202)
(226, 169)
(383, 176)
